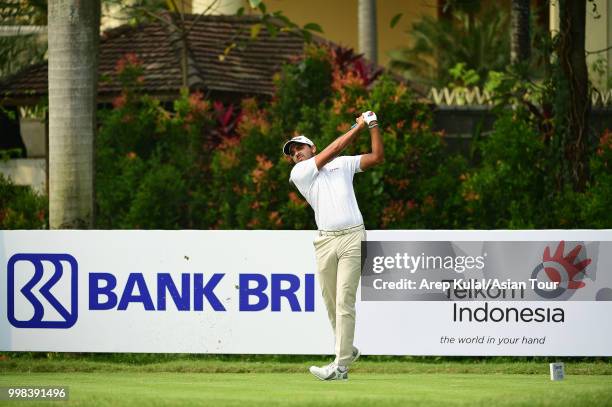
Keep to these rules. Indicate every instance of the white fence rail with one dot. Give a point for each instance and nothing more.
(480, 97)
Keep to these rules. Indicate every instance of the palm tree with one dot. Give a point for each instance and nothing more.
(73, 30)
(479, 41)
(367, 29)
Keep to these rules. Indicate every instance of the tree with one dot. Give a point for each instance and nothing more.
(74, 31)
(367, 29)
(572, 104)
(520, 49)
(22, 42)
(480, 41)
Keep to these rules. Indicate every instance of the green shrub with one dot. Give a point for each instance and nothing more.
(151, 162)
(414, 188)
(200, 165)
(158, 168)
(517, 186)
(21, 207)
(508, 190)
(596, 202)
(151, 208)
(302, 85)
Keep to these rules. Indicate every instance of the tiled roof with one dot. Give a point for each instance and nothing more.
(246, 69)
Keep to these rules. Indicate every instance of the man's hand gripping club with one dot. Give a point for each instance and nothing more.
(375, 157)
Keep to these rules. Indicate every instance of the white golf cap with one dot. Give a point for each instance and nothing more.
(298, 139)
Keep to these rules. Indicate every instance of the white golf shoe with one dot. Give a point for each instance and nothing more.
(330, 372)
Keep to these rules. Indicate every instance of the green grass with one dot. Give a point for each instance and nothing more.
(233, 380)
(14, 362)
(237, 366)
(301, 389)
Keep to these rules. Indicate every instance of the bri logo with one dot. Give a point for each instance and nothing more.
(22, 291)
(43, 291)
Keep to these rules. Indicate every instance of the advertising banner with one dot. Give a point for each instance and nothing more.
(422, 292)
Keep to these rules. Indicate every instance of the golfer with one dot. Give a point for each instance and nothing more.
(326, 181)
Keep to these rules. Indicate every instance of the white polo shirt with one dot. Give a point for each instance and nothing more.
(329, 191)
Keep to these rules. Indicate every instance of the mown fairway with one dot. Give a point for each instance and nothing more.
(297, 389)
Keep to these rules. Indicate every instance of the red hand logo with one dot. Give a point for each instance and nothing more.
(567, 263)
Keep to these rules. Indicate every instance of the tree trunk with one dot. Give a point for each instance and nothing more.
(572, 60)
(74, 31)
(367, 30)
(520, 39)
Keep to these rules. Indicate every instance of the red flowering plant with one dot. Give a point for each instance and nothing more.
(152, 158)
(129, 73)
(603, 158)
(21, 207)
(227, 118)
(226, 163)
(250, 175)
(345, 60)
(415, 186)
(202, 164)
(320, 95)
(596, 202)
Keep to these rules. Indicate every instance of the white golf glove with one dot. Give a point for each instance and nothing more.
(370, 118)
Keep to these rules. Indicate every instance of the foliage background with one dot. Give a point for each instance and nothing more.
(221, 166)
(200, 164)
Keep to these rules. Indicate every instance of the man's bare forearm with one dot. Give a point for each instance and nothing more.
(336, 147)
(377, 144)
(377, 156)
(344, 140)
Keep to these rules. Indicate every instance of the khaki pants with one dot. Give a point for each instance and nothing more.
(338, 270)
